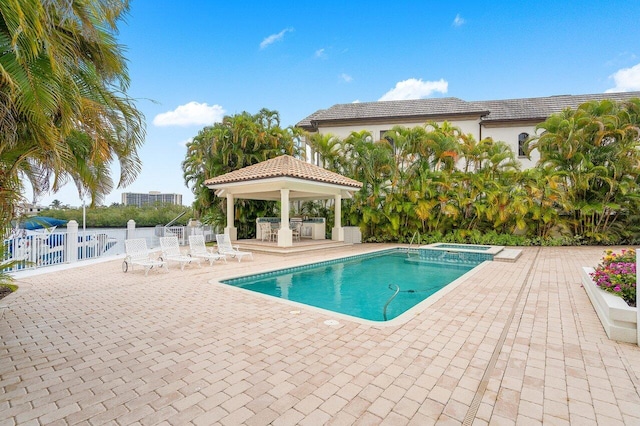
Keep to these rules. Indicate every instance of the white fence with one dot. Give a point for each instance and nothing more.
(36, 250)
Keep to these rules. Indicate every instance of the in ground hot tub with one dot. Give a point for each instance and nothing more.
(458, 252)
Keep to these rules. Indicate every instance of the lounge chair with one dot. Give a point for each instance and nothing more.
(197, 248)
(137, 253)
(225, 247)
(171, 251)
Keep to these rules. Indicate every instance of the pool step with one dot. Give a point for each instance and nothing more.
(306, 245)
(508, 255)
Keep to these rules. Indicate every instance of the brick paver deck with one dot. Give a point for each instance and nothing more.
(514, 343)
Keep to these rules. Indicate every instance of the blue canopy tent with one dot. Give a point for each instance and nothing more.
(40, 222)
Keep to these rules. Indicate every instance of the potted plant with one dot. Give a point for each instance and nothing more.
(611, 287)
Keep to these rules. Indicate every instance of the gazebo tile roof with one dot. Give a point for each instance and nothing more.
(283, 166)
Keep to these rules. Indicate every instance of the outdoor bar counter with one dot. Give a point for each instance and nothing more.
(312, 227)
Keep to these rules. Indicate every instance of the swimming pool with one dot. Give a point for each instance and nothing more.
(361, 286)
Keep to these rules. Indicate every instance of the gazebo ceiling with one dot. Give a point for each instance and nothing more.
(265, 180)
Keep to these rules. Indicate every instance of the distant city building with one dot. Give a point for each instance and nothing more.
(153, 197)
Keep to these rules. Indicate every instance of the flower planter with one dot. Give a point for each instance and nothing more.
(618, 319)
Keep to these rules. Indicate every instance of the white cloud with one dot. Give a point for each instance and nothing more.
(414, 89)
(274, 37)
(184, 143)
(346, 78)
(626, 79)
(320, 54)
(458, 21)
(193, 113)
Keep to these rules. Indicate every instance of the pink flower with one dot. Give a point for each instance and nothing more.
(617, 274)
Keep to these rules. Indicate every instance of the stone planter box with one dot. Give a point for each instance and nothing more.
(618, 319)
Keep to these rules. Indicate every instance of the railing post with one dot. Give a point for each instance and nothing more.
(131, 229)
(72, 241)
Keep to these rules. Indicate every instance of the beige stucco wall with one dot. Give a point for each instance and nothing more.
(467, 126)
(509, 135)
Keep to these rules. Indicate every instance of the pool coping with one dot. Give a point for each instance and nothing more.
(492, 250)
(397, 321)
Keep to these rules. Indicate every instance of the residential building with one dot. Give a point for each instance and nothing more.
(153, 197)
(511, 120)
(28, 209)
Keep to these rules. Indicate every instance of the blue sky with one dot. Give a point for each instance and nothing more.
(192, 62)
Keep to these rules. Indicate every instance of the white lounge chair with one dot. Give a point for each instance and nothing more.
(171, 252)
(225, 247)
(197, 248)
(137, 253)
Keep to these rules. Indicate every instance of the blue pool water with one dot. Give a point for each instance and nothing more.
(359, 286)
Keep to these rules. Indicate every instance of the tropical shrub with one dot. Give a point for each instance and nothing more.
(617, 274)
(445, 185)
(117, 216)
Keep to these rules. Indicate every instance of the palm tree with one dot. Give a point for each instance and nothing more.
(327, 148)
(64, 114)
(371, 163)
(198, 166)
(238, 141)
(594, 153)
(471, 151)
(440, 146)
(354, 148)
(546, 201)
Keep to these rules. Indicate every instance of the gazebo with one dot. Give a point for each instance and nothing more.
(287, 179)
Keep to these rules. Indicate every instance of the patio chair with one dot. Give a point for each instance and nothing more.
(197, 248)
(296, 228)
(225, 247)
(267, 232)
(137, 253)
(171, 252)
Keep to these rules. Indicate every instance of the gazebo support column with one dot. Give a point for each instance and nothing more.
(231, 230)
(285, 235)
(337, 233)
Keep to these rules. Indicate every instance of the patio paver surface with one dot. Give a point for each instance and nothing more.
(514, 343)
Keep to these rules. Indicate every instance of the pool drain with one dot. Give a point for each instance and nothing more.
(484, 382)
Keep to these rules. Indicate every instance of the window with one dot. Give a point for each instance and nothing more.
(522, 138)
(384, 136)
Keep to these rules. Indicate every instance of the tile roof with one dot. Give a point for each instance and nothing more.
(542, 108)
(493, 110)
(306, 122)
(386, 109)
(284, 166)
